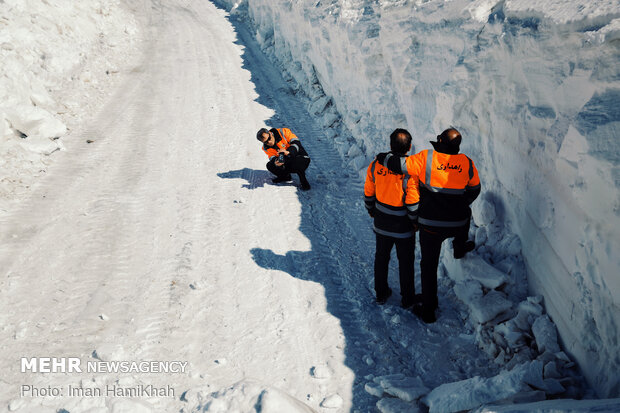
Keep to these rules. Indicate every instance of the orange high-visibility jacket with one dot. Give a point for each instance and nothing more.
(284, 139)
(445, 186)
(390, 195)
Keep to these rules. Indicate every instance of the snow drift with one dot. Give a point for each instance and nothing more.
(49, 50)
(534, 88)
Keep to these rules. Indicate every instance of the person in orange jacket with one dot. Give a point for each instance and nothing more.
(286, 155)
(446, 183)
(389, 199)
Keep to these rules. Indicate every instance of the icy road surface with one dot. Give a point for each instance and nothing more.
(164, 239)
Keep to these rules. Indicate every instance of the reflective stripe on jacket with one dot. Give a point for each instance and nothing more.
(446, 186)
(390, 195)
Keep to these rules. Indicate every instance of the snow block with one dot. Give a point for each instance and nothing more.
(405, 388)
(533, 374)
(550, 371)
(319, 105)
(561, 405)
(468, 291)
(374, 389)
(532, 305)
(333, 401)
(34, 121)
(471, 393)
(511, 333)
(545, 334)
(474, 392)
(390, 405)
(41, 144)
(249, 396)
(483, 308)
(475, 268)
(483, 213)
(321, 372)
(553, 387)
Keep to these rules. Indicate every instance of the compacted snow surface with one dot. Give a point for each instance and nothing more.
(138, 222)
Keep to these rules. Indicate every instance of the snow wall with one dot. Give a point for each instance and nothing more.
(534, 87)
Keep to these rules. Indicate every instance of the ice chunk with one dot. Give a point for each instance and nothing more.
(526, 397)
(489, 306)
(561, 405)
(483, 213)
(321, 372)
(41, 144)
(374, 389)
(359, 163)
(512, 245)
(275, 401)
(16, 404)
(523, 320)
(483, 307)
(249, 396)
(329, 119)
(545, 334)
(553, 386)
(319, 105)
(475, 268)
(34, 121)
(511, 333)
(551, 371)
(333, 401)
(533, 373)
(481, 235)
(405, 388)
(473, 392)
(531, 306)
(390, 405)
(468, 291)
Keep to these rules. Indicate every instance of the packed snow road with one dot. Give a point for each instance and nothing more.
(164, 240)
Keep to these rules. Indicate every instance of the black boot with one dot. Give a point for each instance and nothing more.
(409, 303)
(282, 178)
(383, 299)
(460, 251)
(305, 185)
(427, 315)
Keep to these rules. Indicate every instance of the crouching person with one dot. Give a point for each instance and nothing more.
(286, 155)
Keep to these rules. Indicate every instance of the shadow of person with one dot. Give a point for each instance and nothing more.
(270, 260)
(256, 178)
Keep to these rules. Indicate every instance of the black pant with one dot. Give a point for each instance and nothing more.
(431, 239)
(405, 251)
(296, 165)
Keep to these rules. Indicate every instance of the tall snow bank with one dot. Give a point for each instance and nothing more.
(534, 88)
(50, 49)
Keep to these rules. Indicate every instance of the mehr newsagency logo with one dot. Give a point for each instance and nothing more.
(75, 365)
